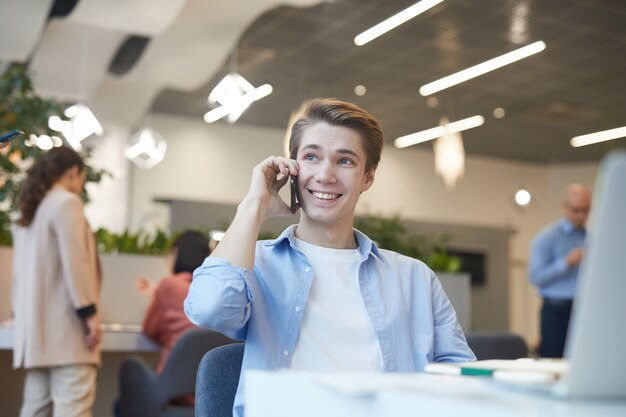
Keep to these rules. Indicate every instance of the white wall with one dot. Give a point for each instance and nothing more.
(213, 163)
(203, 162)
(109, 199)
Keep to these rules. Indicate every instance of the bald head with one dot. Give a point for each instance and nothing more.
(576, 204)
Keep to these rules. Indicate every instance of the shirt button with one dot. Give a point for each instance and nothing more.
(285, 353)
(298, 309)
(307, 269)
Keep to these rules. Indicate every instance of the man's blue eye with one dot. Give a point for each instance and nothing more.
(344, 161)
(309, 157)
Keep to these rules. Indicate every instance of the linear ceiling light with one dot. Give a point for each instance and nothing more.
(439, 131)
(480, 69)
(618, 132)
(394, 21)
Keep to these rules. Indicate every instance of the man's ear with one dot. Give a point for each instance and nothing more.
(369, 179)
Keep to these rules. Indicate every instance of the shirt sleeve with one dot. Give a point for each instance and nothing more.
(220, 298)
(72, 233)
(449, 340)
(543, 267)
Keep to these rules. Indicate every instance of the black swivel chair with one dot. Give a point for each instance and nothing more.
(144, 393)
(496, 345)
(217, 381)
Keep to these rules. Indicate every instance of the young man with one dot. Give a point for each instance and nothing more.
(322, 296)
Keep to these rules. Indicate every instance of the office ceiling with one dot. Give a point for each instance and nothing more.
(304, 50)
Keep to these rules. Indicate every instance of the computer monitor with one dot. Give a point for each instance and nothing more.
(596, 344)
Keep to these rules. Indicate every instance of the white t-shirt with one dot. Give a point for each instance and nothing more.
(336, 332)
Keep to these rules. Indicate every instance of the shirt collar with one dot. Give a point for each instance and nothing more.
(366, 245)
(567, 226)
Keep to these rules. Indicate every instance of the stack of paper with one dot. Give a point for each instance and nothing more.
(518, 370)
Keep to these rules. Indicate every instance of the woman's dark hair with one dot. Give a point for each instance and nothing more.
(41, 176)
(192, 248)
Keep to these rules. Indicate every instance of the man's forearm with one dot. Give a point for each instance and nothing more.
(239, 242)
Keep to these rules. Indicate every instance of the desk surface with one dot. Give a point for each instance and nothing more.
(115, 338)
(290, 393)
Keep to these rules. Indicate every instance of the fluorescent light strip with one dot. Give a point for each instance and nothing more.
(439, 131)
(618, 132)
(480, 69)
(394, 21)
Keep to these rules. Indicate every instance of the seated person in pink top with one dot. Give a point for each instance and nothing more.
(165, 320)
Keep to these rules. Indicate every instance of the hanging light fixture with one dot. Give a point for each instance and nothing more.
(81, 124)
(146, 148)
(449, 155)
(234, 94)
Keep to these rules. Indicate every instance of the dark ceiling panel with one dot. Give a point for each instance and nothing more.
(128, 54)
(576, 86)
(62, 8)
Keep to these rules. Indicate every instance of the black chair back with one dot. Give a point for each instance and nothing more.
(179, 374)
(217, 381)
(496, 345)
(144, 393)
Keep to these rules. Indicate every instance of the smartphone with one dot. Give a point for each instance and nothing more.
(294, 201)
(12, 134)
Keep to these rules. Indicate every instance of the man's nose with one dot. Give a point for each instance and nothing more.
(326, 172)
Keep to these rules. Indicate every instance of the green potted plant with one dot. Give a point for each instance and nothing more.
(390, 233)
(21, 108)
(134, 243)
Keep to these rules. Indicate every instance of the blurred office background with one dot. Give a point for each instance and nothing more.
(152, 64)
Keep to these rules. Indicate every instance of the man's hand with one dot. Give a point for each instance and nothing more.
(260, 203)
(93, 334)
(267, 179)
(574, 257)
(4, 144)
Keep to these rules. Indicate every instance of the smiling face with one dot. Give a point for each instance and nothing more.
(332, 176)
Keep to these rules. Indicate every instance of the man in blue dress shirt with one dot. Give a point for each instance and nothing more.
(322, 297)
(555, 258)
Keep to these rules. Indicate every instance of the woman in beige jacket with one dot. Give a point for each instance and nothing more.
(55, 290)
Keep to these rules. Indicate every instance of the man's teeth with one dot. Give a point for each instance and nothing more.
(325, 196)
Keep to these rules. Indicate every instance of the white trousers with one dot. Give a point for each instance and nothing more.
(60, 391)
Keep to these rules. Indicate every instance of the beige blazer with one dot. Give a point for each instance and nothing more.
(54, 273)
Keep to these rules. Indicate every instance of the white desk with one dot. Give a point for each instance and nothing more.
(290, 393)
(115, 338)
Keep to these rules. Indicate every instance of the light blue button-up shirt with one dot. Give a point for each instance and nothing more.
(548, 266)
(411, 315)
